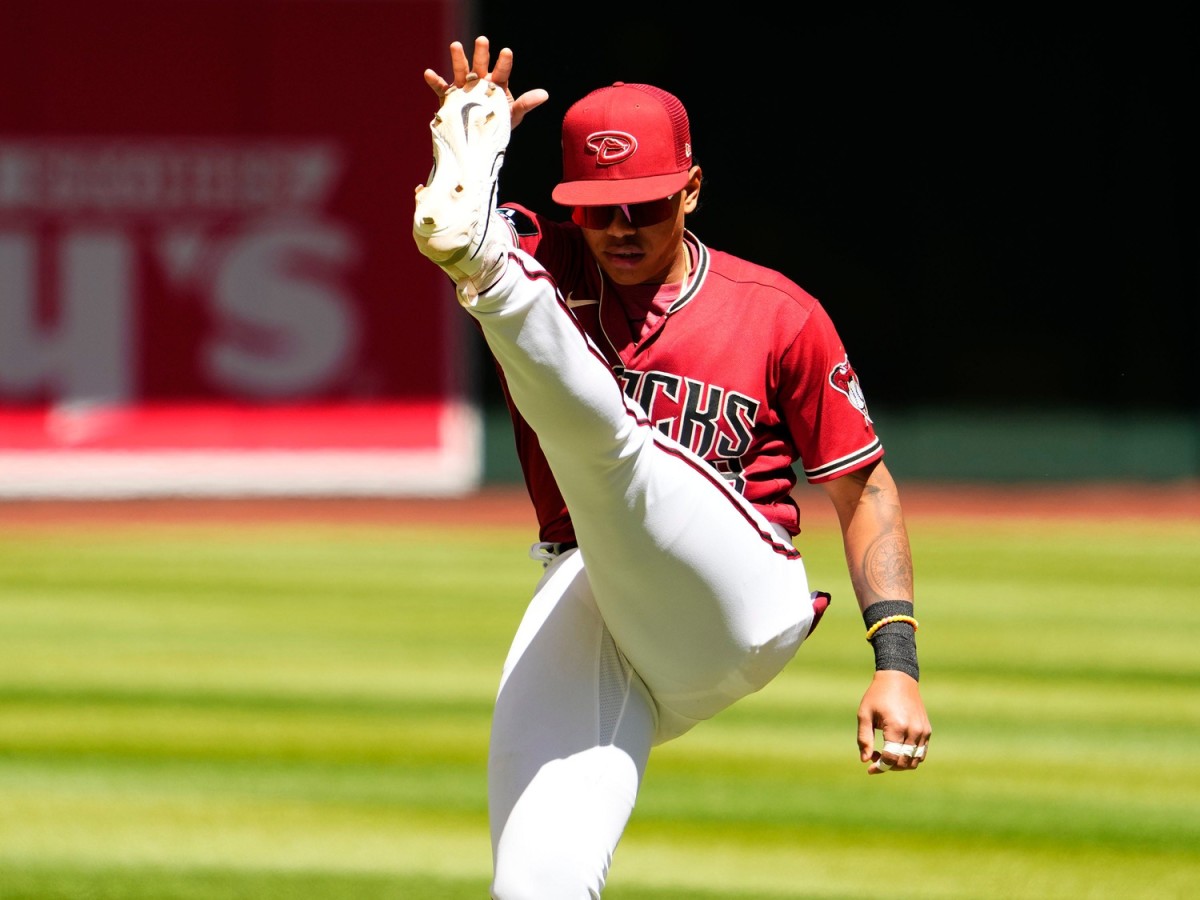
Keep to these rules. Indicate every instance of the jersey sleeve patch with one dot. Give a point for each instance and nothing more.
(844, 380)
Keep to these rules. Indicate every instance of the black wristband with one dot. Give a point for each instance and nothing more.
(895, 644)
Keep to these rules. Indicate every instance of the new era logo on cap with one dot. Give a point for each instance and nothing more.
(627, 143)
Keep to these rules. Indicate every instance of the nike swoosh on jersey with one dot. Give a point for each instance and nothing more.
(572, 302)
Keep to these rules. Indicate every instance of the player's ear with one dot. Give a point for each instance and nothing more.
(691, 190)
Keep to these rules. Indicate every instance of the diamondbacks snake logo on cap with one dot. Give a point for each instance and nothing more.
(611, 147)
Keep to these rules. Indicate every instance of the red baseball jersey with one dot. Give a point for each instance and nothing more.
(739, 364)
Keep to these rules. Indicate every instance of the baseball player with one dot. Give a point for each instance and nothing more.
(661, 391)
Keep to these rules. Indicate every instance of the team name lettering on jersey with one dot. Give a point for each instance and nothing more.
(709, 420)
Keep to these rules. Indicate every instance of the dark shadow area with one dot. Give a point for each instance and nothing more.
(997, 213)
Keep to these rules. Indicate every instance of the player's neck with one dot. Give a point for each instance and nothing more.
(681, 271)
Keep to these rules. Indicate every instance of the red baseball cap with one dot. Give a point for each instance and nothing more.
(627, 143)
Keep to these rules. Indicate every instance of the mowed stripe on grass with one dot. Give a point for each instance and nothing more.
(205, 709)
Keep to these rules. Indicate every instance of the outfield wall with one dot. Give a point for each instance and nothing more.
(208, 283)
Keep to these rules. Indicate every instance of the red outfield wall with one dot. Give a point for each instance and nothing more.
(208, 283)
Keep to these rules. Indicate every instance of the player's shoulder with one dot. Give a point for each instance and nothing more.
(757, 283)
(523, 221)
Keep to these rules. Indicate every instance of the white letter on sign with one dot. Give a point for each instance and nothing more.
(82, 353)
(287, 328)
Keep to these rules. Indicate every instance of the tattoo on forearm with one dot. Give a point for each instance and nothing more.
(887, 567)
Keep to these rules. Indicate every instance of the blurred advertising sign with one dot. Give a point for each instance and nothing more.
(208, 283)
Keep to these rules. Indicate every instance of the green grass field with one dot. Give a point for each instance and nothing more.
(299, 711)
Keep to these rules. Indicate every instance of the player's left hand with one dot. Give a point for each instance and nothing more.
(893, 705)
(463, 71)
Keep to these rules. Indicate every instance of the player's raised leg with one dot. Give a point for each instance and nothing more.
(705, 597)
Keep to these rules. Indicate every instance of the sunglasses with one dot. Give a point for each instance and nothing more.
(639, 214)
